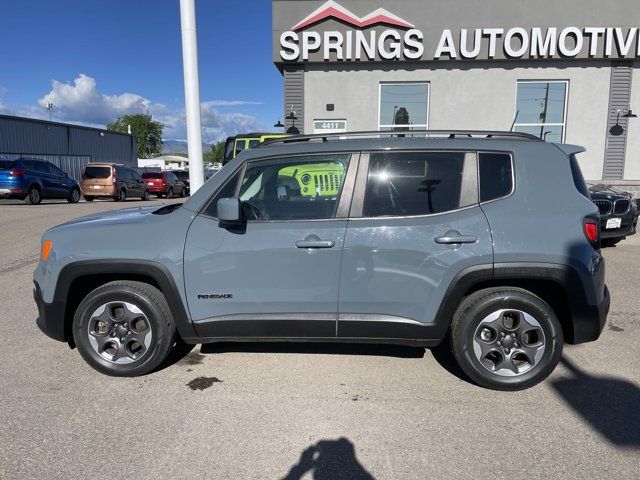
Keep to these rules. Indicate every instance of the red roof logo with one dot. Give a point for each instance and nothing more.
(332, 9)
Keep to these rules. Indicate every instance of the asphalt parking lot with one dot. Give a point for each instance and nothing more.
(305, 411)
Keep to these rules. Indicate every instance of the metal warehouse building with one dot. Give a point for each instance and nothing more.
(69, 147)
(566, 71)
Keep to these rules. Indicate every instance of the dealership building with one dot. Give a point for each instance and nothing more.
(566, 71)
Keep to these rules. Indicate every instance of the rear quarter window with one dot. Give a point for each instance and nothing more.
(496, 175)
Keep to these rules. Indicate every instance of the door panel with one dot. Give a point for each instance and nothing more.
(276, 274)
(235, 278)
(394, 273)
(417, 223)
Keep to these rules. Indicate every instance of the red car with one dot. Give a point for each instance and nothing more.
(164, 183)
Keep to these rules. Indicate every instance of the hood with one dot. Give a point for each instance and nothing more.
(127, 215)
(608, 192)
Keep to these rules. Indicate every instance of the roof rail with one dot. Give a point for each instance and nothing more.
(403, 133)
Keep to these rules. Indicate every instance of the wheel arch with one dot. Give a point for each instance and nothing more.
(561, 286)
(77, 279)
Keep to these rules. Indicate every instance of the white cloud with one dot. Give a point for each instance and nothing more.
(82, 102)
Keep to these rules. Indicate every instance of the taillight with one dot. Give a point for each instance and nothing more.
(113, 174)
(17, 172)
(591, 228)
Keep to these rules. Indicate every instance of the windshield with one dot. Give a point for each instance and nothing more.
(7, 165)
(152, 175)
(97, 172)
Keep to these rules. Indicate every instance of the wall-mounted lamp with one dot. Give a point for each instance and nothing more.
(630, 114)
(279, 124)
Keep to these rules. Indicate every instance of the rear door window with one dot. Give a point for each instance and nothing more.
(97, 172)
(413, 183)
(496, 175)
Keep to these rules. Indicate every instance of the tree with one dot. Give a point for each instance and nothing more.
(147, 131)
(216, 154)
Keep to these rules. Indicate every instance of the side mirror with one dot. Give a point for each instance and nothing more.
(229, 212)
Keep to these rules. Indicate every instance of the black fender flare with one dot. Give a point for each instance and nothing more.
(128, 269)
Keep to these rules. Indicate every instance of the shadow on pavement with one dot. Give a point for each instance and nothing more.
(179, 351)
(329, 460)
(444, 356)
(611, 406)
(315, 348)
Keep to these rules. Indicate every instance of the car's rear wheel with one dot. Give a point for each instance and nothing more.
(74, 196)
(122, 196)
(145, 195)
(33, 196)
(506, 338)
(170, 194)
(124, 328)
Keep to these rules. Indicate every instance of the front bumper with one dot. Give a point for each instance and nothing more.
(50, 316)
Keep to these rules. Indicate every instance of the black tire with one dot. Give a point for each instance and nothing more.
(122, 196)
(89, 199)
(151, 302)
(34, 197)
(465, 327)
(145, 196)
(170, 194)
(183, 192)
(74, 196)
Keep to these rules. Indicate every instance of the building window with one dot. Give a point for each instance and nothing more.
(403, 106)
(541, 109)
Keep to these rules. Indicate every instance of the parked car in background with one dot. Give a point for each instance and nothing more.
(618, 211)
(33, 180)
(164, 184)
(210, 170)
(238, 143)
(183, 176)
(108, 180)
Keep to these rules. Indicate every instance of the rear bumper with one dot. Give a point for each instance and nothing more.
(13, 192)
(589, 320)
(157, 189)
(50, 316)
(99, 192)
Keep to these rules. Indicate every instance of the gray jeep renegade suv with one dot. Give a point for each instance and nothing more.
(488, 239)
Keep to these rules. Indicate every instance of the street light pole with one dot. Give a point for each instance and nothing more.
(192, 92)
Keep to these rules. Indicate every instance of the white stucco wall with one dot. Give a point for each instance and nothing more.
(632, 156)
(472, 98)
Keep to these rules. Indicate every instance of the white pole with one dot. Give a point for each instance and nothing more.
(192, 92)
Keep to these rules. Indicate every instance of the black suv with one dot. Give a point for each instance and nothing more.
(618, 211)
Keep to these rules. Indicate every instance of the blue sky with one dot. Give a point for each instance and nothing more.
(99, 59)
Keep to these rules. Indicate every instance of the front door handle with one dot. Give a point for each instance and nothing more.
(315, 243)
(449, 239)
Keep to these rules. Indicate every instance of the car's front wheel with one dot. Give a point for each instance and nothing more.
(124, 328)
(506, 338)
(146, 196)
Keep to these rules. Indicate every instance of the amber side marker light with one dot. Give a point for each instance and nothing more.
(46, 250)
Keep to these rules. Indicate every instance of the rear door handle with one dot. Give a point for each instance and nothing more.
(451, 239)
(315, 243)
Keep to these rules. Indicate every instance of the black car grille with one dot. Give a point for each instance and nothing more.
(604, 206)
(621, 207)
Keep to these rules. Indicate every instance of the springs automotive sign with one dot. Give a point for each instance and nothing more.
(382, 35)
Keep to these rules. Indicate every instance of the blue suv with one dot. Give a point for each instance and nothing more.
(33, 180)
(487, 240)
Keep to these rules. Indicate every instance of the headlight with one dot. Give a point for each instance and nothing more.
(306, 178)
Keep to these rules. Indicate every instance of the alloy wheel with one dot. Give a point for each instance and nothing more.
(509, 342)
(119, 332)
